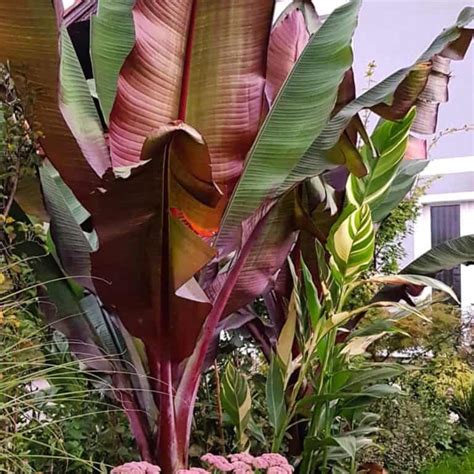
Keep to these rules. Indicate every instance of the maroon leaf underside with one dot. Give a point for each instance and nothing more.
(287, 40)
(224, 92)
(222, 98)
(276, 235)
(145, 241)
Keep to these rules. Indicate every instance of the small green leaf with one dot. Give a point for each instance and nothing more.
(287, 334)
(312, 301)
(382, 390)
(275, 394)
(358, 345)
(237, 402)
(375, 374)
(348, 444)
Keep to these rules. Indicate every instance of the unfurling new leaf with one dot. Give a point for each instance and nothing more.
(352, 243)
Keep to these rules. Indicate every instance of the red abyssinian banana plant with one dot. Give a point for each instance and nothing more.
(177, 187)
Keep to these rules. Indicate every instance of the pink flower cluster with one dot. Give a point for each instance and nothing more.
(241, 463)
(136, 468)
(244, 463)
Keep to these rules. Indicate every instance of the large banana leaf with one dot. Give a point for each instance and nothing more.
(265, 176)
(445, 256)
(392, 99)
(158, 252)
(29, 42)
(78, 108)
(177, 70)
(299, 114)
(287, 41)
(72, 243)
(224, 79)
(112, 38)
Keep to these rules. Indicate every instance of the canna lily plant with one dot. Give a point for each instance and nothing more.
(187, 153)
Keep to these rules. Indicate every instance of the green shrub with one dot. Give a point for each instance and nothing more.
(463, 403)
(413, 434)
(453, 464)
(420, 426)
(447, 373)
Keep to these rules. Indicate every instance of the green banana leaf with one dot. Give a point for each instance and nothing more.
(447, 255)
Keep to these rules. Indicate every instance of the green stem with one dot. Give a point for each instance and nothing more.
(325, 386)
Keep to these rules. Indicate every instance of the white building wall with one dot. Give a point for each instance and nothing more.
(421, 240)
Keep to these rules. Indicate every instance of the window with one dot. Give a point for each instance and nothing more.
(446, 225)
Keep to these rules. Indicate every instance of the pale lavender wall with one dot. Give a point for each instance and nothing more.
(394, 33)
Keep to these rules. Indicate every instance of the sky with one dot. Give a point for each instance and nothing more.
(393, 33)
(323, 6)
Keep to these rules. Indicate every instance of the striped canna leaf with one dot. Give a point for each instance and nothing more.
(351, 243)
(404, 180)
(236, 402)
(390, 139)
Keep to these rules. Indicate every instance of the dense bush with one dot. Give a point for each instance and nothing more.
(414, 429)
(421, 425)
(439, 333)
